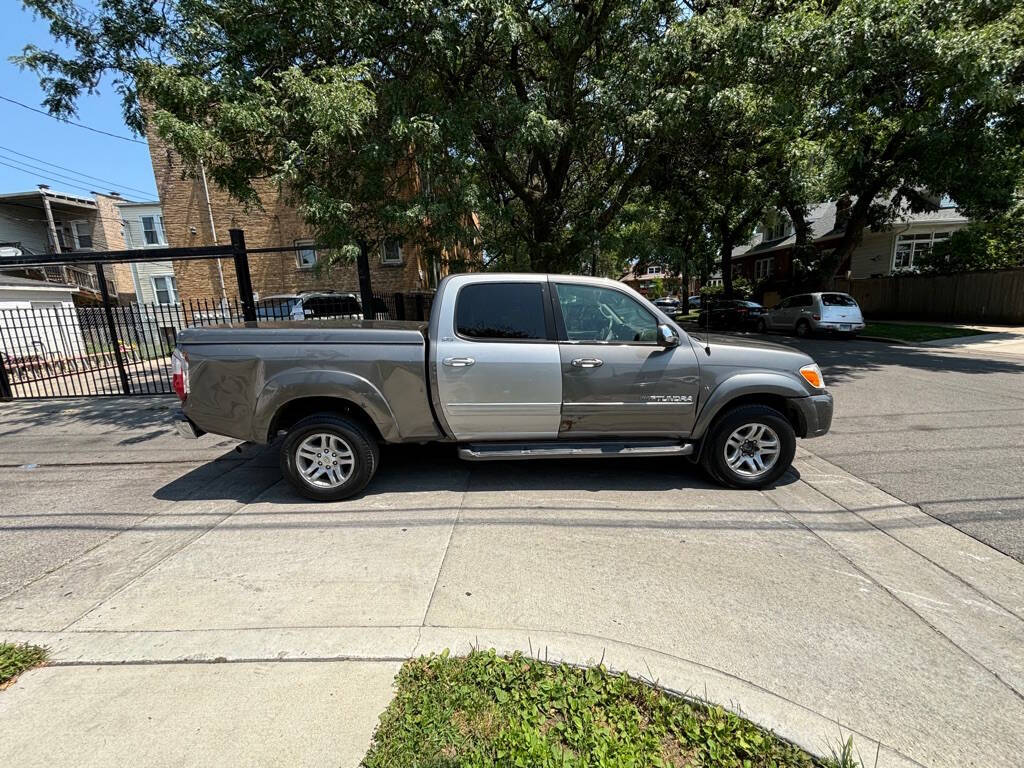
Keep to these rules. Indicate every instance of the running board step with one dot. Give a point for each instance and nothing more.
(581, 450)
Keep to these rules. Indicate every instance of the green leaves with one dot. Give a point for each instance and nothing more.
(560, 134)
(488, 710)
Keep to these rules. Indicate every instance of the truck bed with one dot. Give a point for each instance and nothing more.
(242, 377)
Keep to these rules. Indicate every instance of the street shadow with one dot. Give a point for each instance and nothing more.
(850, 359)
(150, 414)
(435, 467)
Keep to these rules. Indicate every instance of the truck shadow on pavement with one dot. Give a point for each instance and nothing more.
(249, 474)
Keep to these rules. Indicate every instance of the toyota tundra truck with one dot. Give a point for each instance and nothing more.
(510, 366)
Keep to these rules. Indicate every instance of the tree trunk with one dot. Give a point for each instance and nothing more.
(726, 254)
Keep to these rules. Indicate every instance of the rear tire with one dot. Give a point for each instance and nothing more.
(750, 446)
(803, 329)
(762, 326)
(329, 457)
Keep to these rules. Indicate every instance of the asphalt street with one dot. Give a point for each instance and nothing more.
(940, 429)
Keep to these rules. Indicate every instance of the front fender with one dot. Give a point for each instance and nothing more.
(295, 385)
(741, 384)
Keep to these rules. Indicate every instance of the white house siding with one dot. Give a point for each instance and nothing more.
(39, 323)
(18, 224)
(144, 273)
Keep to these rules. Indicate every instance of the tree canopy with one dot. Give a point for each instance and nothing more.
(574, 133)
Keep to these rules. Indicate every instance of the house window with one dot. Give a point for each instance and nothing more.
(305, 254)
(163, 232)
(391, 251)
(763, 268)
(149, 230)
(911, 248)
(82, 231)
(166, 289)
(656, 270)
(777, 229)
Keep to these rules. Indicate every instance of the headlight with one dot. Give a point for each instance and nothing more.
(812, 374)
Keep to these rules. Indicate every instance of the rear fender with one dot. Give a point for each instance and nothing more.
(296, 385)
(742, 385)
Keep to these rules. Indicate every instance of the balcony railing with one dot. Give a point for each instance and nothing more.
(83, 278)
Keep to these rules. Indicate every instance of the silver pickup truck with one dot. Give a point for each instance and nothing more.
(510, 366)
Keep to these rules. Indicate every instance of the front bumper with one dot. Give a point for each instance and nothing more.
(815, 413)
(186, 427)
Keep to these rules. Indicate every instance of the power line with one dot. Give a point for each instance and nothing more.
(72, 170)
(69, 178)
(72, 122)
(48, 178)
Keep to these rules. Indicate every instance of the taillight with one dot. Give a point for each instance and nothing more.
(179, 374)
(816, 317)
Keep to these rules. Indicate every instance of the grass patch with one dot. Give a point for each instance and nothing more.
(916, 332)
(489, 710)
(15, 659)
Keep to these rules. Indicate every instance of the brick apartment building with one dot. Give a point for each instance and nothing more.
(396, 266)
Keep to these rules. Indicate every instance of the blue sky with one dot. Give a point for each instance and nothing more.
(121, 164)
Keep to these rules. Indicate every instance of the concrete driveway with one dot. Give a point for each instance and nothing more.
(821, 606)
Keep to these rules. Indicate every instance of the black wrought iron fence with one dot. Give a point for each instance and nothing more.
(62, 350)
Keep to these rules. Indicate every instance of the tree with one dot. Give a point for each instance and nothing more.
(912, 99)
(394, 118)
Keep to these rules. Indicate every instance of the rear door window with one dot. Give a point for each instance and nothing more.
(501, 311)
(837, 300)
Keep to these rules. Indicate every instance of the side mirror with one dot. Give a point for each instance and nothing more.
(667, 337)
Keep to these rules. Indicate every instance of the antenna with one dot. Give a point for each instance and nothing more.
(707, 311)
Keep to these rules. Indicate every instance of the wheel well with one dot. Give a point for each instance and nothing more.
(778, 402)
(295, 410)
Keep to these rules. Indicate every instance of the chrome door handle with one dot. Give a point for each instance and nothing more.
(458, 362)
(587, 362)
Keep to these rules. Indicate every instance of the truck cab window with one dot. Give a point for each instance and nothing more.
(512, 311)
(594, 313)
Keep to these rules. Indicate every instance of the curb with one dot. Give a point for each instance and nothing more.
(811, 730)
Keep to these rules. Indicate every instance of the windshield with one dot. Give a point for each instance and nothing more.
(837, 300)
(275, 308)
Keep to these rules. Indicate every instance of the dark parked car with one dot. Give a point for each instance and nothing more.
(693, 302)
(732, 313)
(668, 304)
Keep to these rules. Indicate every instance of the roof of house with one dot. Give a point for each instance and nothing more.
(138, 203)
(36, 195)
(822, 219)
(11, 281)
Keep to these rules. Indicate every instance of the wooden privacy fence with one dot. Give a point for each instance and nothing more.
(967, 297)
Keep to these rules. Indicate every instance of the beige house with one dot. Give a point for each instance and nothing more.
(768, 258)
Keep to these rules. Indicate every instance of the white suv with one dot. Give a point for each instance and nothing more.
(808, 313)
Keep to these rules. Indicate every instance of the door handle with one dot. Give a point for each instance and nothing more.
(587, 362)
(458, 362)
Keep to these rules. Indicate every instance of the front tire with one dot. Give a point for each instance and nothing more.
(329, 457)
(762, 326)
(750, 446)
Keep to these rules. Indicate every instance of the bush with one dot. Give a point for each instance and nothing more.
(741, 289)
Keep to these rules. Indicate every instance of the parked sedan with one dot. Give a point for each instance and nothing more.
(732, 313)
(810, 313)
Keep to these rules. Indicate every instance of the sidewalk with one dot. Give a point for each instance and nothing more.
(821, 605)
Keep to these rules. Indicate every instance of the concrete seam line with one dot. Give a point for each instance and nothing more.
(900, 503)
(232, 510)
(892, 594)
(447, 546)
